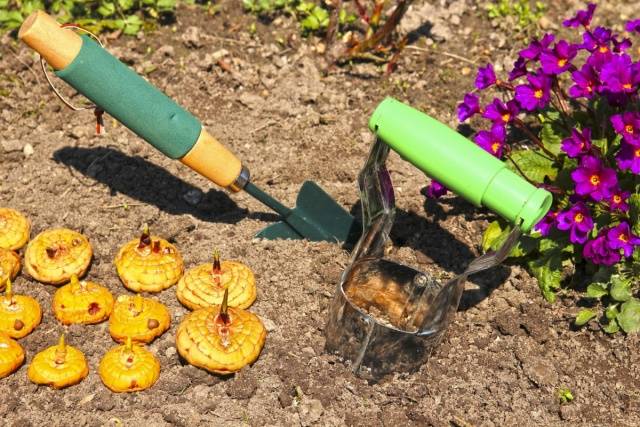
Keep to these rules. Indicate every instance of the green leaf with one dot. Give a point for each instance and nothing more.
(612, 327)
(494, 236)
(132, 24)
(629, 316)
(321, 14)
(611, 312)
(535, 165)
(125, 5)
(634, 212)
(552, 133)
(548, 245)
(106, 9)
(584, 316)
(30, 6)
(620, 288)
(493, 232)
(565, 395)
(602, 144)
(310, 23)
(596, 290)
(548, 271)
(166, 5)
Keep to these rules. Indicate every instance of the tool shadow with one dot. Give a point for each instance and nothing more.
(150, 184)
(441, 249)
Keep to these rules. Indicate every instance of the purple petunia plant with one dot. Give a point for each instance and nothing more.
(567, 118)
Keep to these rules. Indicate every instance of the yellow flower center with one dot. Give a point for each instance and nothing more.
(603, 49)
(637, 152)
(562, 62)
(595, 179)
(627, 85)
(538, 93)
(617, 198)
(589, 88)
(495, 147)
(623, 237)
(628, 129)
(506, 117)
(579, 217)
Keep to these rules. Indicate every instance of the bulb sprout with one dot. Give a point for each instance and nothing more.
(216, 262)
(145, 237)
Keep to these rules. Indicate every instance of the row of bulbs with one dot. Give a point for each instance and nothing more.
(219, 335)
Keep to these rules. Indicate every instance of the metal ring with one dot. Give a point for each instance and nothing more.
(240, 181)
(46, 76)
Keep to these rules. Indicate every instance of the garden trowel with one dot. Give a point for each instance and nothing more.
(115, 88)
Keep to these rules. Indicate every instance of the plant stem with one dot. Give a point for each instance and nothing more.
(384, 32)
(533, 137)
(520, 170)
(334, 24)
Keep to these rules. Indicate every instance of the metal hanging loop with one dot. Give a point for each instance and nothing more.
(52, 86)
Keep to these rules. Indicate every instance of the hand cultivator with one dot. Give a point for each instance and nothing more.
(412, 309)
(116, 89)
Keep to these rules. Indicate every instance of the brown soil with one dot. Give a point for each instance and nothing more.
(505, 355)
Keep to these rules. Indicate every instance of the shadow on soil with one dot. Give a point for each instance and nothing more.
(151, 184)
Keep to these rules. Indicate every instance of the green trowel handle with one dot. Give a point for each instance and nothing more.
(132, 100)
(458, 163)
(129, 98)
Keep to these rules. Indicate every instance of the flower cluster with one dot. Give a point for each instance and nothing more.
(588, 92)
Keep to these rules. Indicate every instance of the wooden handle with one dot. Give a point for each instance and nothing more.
(213, 160)
(57, 46)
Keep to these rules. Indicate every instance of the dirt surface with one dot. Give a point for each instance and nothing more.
(506, 353)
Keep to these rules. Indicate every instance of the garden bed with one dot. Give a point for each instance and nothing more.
(505, 356)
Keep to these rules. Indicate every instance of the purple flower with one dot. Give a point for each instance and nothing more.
(620, 237)
(435, 190)
(536, 94)
(598, 61)
(633, 26)
(586, 81)
(618, 200)
(519, 69)
(620, 45)
(545, 225)
(620, 75)
(492, 141)
(598, 251)
(597, 41)
(499, 113)
(582, 17)
(578, 221)
(628, 125)
(594, 179)
(486, 77)
(578, 143)
(629, 158)
(558, 59)
(469, 107)
(535, 48)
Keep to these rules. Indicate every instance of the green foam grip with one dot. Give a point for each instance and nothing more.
(133, 101)
(459, 164)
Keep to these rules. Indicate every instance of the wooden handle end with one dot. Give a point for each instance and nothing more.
(213, 160)
(57, 46)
